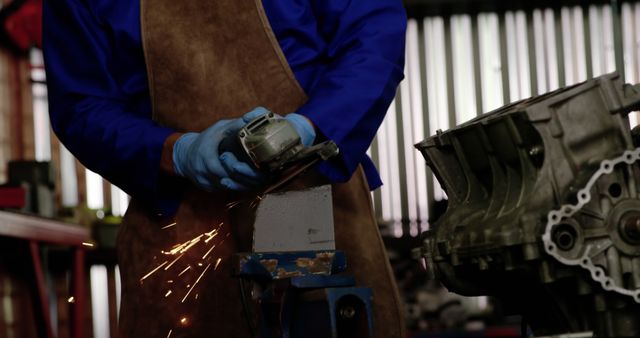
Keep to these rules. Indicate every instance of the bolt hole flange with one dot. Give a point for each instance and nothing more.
(564, 236)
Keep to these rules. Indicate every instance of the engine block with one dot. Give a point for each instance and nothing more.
(544, 209)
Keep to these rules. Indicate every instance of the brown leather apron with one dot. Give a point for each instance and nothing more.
(206, 61)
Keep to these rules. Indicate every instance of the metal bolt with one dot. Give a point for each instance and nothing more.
(347, 312)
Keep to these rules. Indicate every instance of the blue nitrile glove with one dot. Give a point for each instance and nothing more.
(258, 111)
(239, 171)
(196, 157)
(304, 128)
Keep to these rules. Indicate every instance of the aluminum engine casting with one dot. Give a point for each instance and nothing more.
(544, 209)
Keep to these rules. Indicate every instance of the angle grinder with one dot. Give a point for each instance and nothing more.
(271, 144)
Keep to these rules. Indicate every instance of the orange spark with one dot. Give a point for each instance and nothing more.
(208, 252)
(170, 264)
(210, 237)
(167, 294)
(233, 204)
(71, 299)
(191, 244)
(153, 271)
(168, 226)
(217, 263)
(185, 270)
(183, 247)
(174, 250)
(195, 283)
(91, 245)
(169, 334)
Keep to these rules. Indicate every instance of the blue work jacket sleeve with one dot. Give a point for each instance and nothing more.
(108, 130)
(366, 49)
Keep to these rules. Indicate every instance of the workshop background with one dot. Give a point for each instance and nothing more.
(464, 57)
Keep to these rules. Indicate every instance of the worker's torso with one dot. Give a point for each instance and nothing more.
(302, 29)
(210, 60)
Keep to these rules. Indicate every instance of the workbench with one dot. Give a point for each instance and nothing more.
(36, 231)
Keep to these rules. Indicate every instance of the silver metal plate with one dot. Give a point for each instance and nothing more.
(295, 221)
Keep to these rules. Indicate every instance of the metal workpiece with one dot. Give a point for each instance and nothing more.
(544, 211)
(297, 220)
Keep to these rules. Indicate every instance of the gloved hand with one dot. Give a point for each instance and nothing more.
(303, 126)
(196, 157)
